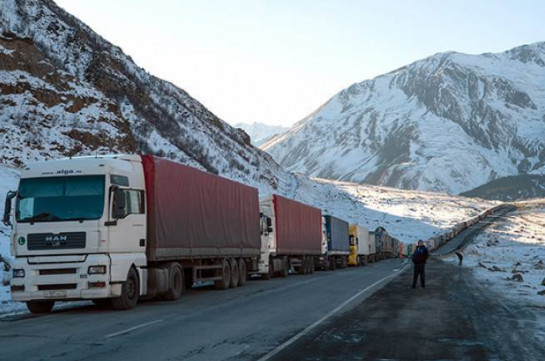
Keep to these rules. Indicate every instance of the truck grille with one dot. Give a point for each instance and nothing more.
(59, 271)
(64, 286)
(47, 241)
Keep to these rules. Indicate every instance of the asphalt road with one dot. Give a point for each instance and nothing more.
(238, 324)
(453, 318)
(468, 235)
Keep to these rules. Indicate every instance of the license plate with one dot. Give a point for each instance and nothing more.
(55, 294)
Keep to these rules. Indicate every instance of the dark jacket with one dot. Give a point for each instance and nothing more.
(420, 255)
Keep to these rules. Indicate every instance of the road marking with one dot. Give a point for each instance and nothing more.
(331, 313)
(132, 329)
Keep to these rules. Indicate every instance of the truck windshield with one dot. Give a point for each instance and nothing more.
(60, 198)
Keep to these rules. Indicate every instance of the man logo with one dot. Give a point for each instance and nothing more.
(55, 240)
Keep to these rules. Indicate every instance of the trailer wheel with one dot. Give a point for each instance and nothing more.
(130, 290)
(312, 265)
(176, 282)
(234, 273)
(242, 272)
(223, 284)
(344, 262)
(40, 306)
(303, 268)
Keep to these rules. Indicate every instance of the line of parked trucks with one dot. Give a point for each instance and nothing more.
(125, 227)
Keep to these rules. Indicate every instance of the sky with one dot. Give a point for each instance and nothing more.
(276, 61)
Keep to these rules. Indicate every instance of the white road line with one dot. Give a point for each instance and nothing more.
(132, 329)
(331, 313)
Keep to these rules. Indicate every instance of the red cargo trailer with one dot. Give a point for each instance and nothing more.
(209, 224)
(291, 236)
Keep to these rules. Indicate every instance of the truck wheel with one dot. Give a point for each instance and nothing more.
(234, 273)
(130, 290)
(242, 272)
(176, 282)
(303, 268)
(223, 284)
(312, 265)
(40, 306)
(344, 262)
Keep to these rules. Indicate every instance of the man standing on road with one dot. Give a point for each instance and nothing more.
(420, 256)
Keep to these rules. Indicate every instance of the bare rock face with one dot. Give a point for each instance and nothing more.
(448, 123)
(67, 91)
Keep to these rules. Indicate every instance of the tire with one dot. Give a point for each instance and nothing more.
(175, 281)
(40, 306)
(225, 281)
(344, 262)
(312, 265)
(242, 272)
(234, 273)
(130, 290)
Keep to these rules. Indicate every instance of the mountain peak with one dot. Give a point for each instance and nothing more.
(449, 122)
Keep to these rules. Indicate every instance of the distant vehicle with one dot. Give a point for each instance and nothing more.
(338, 243)
(291, 234)
(360, 245)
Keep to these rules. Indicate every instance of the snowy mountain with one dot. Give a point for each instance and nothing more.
(67, 91)
(260, 133)
(448, 123)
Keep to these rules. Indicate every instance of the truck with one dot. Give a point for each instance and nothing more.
(360, 246)
(338, 243)
(291, 236)
(122, 227)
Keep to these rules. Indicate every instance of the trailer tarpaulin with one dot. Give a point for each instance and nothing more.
(196, 214)
(298, 227)
(337, 235)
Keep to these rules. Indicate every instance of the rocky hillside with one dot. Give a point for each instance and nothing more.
(448, 123)
(67, 91)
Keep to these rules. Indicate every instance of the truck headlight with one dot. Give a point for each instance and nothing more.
(18, 273)
(96, 270)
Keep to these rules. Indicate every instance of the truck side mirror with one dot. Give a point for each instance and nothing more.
(7, 208)
(269, 222)
(118, 210)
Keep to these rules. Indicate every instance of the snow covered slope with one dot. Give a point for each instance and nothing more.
(448, 123)
(514, 246)
(259, 133)
(67, 91)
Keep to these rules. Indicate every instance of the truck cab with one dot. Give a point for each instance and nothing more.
(79, 227)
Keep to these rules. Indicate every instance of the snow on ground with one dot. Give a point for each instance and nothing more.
(515, 246)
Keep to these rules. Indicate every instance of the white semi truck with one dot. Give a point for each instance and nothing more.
(123, 227)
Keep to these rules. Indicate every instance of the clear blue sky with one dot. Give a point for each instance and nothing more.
(276, 61)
